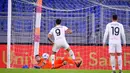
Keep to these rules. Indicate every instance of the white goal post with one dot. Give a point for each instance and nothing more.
(9, 32)
(36, 30)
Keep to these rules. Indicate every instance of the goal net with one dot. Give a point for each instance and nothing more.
(87, 22)
(22, 34)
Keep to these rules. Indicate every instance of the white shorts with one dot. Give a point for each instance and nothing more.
(60, 44)
(115, 48)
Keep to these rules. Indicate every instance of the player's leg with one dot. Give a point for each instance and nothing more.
(72, 62)
(77, 63)
(66, 46)
(119, 54)
(68, 60)
(119, 62)
(59, 63)
(112, 56)
(112, 60)
(54, 50)
(71, 53)
(53, 58)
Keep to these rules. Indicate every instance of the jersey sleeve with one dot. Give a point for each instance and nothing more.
(106, 34)
(123, 35)
(51, 32)
(65, 28)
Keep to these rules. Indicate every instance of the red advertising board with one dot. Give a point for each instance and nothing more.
(94, 57)
(3, 56)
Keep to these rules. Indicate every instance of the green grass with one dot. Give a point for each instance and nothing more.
(56, 71)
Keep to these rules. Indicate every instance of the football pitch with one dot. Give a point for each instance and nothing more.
(56, 71)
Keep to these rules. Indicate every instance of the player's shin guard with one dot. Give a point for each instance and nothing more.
(71, 53)
(120, 62)
(52, 59)
(112, 59)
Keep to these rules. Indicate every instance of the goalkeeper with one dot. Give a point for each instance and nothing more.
(44, 63)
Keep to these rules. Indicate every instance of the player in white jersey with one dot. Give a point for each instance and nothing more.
(58, 32)
(115, 31)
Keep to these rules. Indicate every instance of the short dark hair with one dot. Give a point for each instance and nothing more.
(37, 55)
(114, 17)
(58, 21)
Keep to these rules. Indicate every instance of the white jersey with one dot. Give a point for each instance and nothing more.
(115, 31)
(58, 32)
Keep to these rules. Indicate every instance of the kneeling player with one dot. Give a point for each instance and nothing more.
(44, 63)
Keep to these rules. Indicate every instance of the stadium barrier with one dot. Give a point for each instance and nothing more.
(94, 57)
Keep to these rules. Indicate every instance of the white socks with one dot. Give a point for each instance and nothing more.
(120, 62)
(52, 59)
(71, 53)
(112, 59)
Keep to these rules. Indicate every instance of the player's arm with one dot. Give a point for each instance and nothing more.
(67, 30)
(50, 36)
(105, 35)
(39, 65)
(123, 35)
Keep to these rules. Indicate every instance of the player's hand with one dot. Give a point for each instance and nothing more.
(52, 43)
(64, 63)
(43, 63)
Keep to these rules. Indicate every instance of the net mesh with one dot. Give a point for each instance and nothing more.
(22, 31)
(87, 23)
